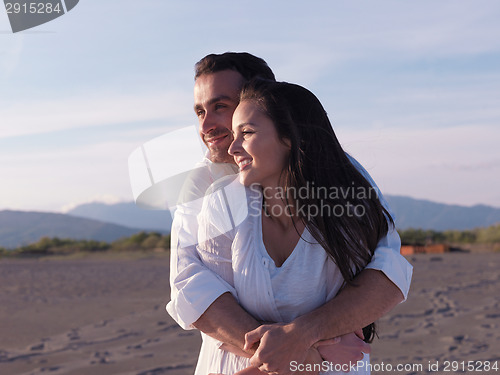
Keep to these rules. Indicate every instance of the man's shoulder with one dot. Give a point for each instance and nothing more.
(199, 179)
(224, 183)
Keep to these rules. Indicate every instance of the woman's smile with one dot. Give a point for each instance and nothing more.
(257, 149)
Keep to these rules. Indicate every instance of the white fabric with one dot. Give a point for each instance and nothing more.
(194, 287)
(306, 280)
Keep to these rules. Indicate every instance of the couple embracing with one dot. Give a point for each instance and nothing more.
(279, 271)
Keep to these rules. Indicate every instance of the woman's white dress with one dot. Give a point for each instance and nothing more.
(230, 236)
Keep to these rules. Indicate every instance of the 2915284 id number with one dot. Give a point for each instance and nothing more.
(470, 366)
(32, 8)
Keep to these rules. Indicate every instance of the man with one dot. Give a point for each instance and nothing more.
(200, 299)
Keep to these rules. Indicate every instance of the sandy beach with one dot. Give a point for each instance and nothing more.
(106, 315)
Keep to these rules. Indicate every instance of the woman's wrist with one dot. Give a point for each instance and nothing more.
(307, 330)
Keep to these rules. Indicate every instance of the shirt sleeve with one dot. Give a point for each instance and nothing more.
(387, 257)
(194, 286)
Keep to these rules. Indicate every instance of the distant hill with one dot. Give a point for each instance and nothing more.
(108, 222)
(410, 213)
(423, 214)
(126, 214)
(18, 228)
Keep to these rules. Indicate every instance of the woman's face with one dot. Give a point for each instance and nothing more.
(257, 150)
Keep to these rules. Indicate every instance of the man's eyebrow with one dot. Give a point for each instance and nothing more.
(215, 100)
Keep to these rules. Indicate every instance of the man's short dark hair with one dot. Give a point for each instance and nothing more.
(248, 65)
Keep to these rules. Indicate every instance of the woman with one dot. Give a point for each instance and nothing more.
(310, 222)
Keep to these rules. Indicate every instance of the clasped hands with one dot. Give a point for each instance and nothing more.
(278, 346)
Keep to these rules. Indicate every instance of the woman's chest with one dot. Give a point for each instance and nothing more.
(305, 281)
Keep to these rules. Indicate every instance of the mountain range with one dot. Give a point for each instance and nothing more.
(19, 228)
(424, 214)
(109, 222)
(126, 214)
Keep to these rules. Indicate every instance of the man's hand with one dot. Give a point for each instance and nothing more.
(279, 345)
(349, 350)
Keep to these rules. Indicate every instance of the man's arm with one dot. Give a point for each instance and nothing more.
(382, 285)
(354, 307)
(226, 321)
(193, 286)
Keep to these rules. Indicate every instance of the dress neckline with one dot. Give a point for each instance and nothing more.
(262, 246)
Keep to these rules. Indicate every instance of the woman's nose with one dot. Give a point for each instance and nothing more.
(234, 147)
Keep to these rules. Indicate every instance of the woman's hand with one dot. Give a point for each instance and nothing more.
(313, 361)
(313, 358)
(347, 351)
(251, 371)
(235, 350)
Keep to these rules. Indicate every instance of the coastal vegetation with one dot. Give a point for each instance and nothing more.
(142, 241)
(154, 241)
(487, 235)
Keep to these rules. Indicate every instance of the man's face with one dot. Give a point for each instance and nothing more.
(216, 96)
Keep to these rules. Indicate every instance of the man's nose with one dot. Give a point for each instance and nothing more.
(207, 124)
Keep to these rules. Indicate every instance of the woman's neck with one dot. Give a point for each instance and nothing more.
(277, 208)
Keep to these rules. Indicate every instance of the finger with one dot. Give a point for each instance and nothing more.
(360, 334)
(255, 361)
(250, 371)
(332, 341)
(264, 370)
(253, 337)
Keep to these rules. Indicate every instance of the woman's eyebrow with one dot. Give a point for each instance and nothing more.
(244, 123)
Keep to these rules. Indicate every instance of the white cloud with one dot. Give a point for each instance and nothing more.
(459, 165)
(99, 198)
(326, 39)
(317, 44)
(52, 179)
(60, 179)
(96, 109)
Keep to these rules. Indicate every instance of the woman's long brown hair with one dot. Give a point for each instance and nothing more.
(348, 220)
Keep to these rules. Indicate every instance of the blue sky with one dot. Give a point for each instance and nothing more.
(412, 88)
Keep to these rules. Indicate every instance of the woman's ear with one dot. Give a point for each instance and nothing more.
(287, 142)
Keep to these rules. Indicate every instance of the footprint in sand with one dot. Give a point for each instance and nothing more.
(38, 347)
(50, 369)
(101, 358)
(74, 335)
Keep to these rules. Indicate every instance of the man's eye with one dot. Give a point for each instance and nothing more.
(200, 113)
(220, 106)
